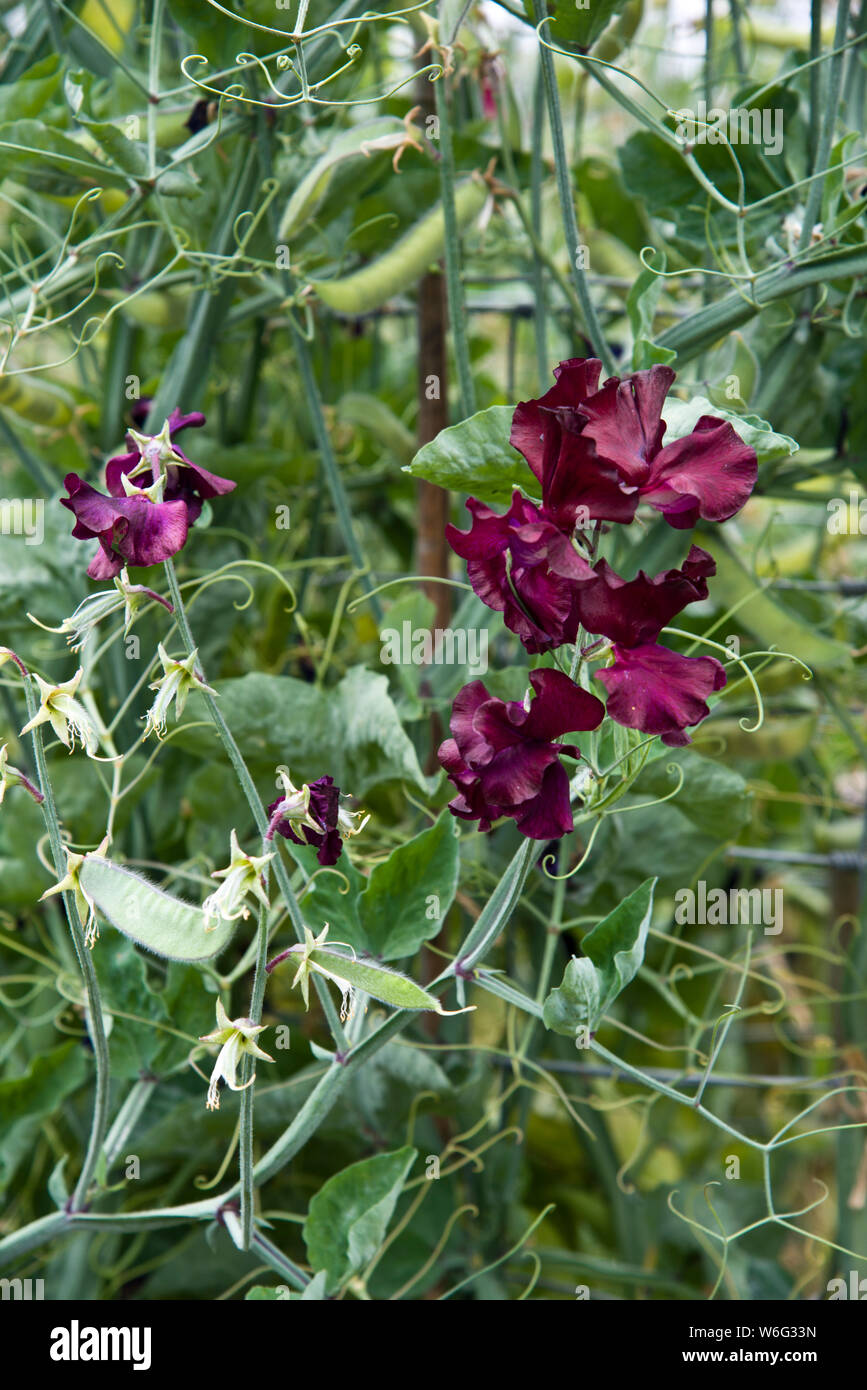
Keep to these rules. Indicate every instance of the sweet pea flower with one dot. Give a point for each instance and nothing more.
(66, 715)
(236, 1038)
(315, 811)
(659, 691)
(142, 529)
(242, 875)
(522, 566)
(176, 682)
(602, 450)
(650, 687)
(504, 761)
(155, 494)
(96, 607)
(71, 883)
(150, 455)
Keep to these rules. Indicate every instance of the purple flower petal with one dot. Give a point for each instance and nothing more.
(624, 420)
(136, 530)
(634, 612)
(522, 566)
(659, 691)
(548, 815)
(709, 473)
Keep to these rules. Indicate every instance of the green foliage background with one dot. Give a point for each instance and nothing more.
(142, 258)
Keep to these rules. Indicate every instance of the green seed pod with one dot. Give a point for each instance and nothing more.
(377, 980)
(154, 919)
(42, 403)
(405, 262)
(385, 133)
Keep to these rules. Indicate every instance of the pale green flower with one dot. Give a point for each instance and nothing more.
(96, 607)
(236, 1039)
(72, 884)
(176, 682)
(242, 876)
(66, 715)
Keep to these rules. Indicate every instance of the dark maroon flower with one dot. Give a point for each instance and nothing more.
(186, 481)
(503, 759)
(601, 450)
(522, 566)
(323, 808)
(649, 687)
(130, 530)
(660, 692)
(631, 612)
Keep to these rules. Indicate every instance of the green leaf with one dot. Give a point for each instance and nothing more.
(154, 919)
(30, 95)
(577, 1001)
(353, 732)
(26, 1100)
(376, 747)
(408, 896)
(681, 416)
(349, 1216)
(51, 162)
(313, 1292)
(613, 952)
(577, 24)
(476, 457)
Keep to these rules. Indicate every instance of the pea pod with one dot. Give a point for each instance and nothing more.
(149, 916)
(385, 133)
(42, 403)
(379, 981)
(405, 262)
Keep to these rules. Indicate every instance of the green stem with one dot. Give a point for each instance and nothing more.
(245, 1141)
(567, 207)
(712, 323)
(329, 462)
(454, 288)
(540, 317)
(815, 79)
(248, 787)
(829, 119)
(95, 1026)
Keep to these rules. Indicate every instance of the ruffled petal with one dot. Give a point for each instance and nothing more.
(659, 691)
(634, 612)
(624, 421)
(709, 473)
(548, 815)
(560, 707)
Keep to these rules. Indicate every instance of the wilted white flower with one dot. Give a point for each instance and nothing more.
(236, 1038)
(66, 715)
(242, 876)
(176, 682)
